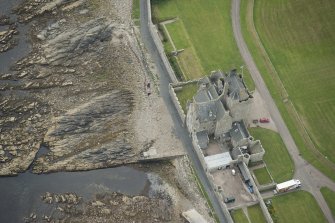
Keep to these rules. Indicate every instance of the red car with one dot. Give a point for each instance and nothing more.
(264, 120)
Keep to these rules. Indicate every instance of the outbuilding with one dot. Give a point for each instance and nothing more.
(218, 161)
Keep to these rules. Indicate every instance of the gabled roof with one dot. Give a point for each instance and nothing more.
(206, 111)
(202, 96)
(202, 139)
(238, 131)
(206, 92)
(237, 89)
(218, 160)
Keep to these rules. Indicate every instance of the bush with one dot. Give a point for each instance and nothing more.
(162, 32)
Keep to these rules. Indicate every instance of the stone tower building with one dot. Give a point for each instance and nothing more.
(220, 100)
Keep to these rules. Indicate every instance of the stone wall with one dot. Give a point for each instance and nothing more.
(270, 186)
(223, 125)
(239, 110)
(177, 104)
(220, 198)
(175, 99)
(257, 156)
(256, 191)
(159, 46)
(199, 152)
(211, 179)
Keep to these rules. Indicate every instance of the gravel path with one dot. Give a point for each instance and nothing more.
(312, 179)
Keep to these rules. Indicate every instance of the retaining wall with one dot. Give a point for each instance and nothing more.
(180, 84)
(256, 191)
(220, 198)
(175, 99)
(154, 34)
(270, 186)
(177, 104)
(211, 179)
(159, 45)
(199, 152)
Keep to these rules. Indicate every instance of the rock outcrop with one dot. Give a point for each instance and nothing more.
(60, 48)
(92, 135)
(75, 91)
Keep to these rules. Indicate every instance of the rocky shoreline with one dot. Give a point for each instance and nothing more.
(171, 191)
(58, 94)
(7, 40)
(82, 93)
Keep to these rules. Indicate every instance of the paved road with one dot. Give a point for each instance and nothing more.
(312, 179)
(180, 132)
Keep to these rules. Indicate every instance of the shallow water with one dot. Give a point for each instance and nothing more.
(23, 48)
(20, 195)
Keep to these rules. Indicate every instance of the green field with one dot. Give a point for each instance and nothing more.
(329, 195)
(297, 207)
(255, 214)
(188, 60)
(262, 176)
(298, 38)
(277, 159)
(186, 93)
(204, 26)
(239, 216)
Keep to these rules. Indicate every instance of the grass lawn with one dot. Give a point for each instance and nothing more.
(297, 207)
(206, 25)
(277, 158)
(329, 195)
(188, 60)
(239, 216)
(255, 214)
(298, 38)
(186, 93)
(262, 176)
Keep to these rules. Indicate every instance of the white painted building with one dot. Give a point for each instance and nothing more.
(218, 161)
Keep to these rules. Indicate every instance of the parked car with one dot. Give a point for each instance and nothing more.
(264, 120)
(255, 121)
(229, 200)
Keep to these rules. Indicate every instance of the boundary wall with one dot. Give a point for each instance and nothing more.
(154, 34)
(175, 99)
(158, 43)
(258, 194)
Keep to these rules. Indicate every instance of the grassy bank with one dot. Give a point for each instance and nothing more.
(262, 176)
(255, 214)
(277, 158)
(136, 12)
(205, 28)
(239, 216)
(188, 59)
(329, 196)
(296, 64)
(186, 93)
(297, 207)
